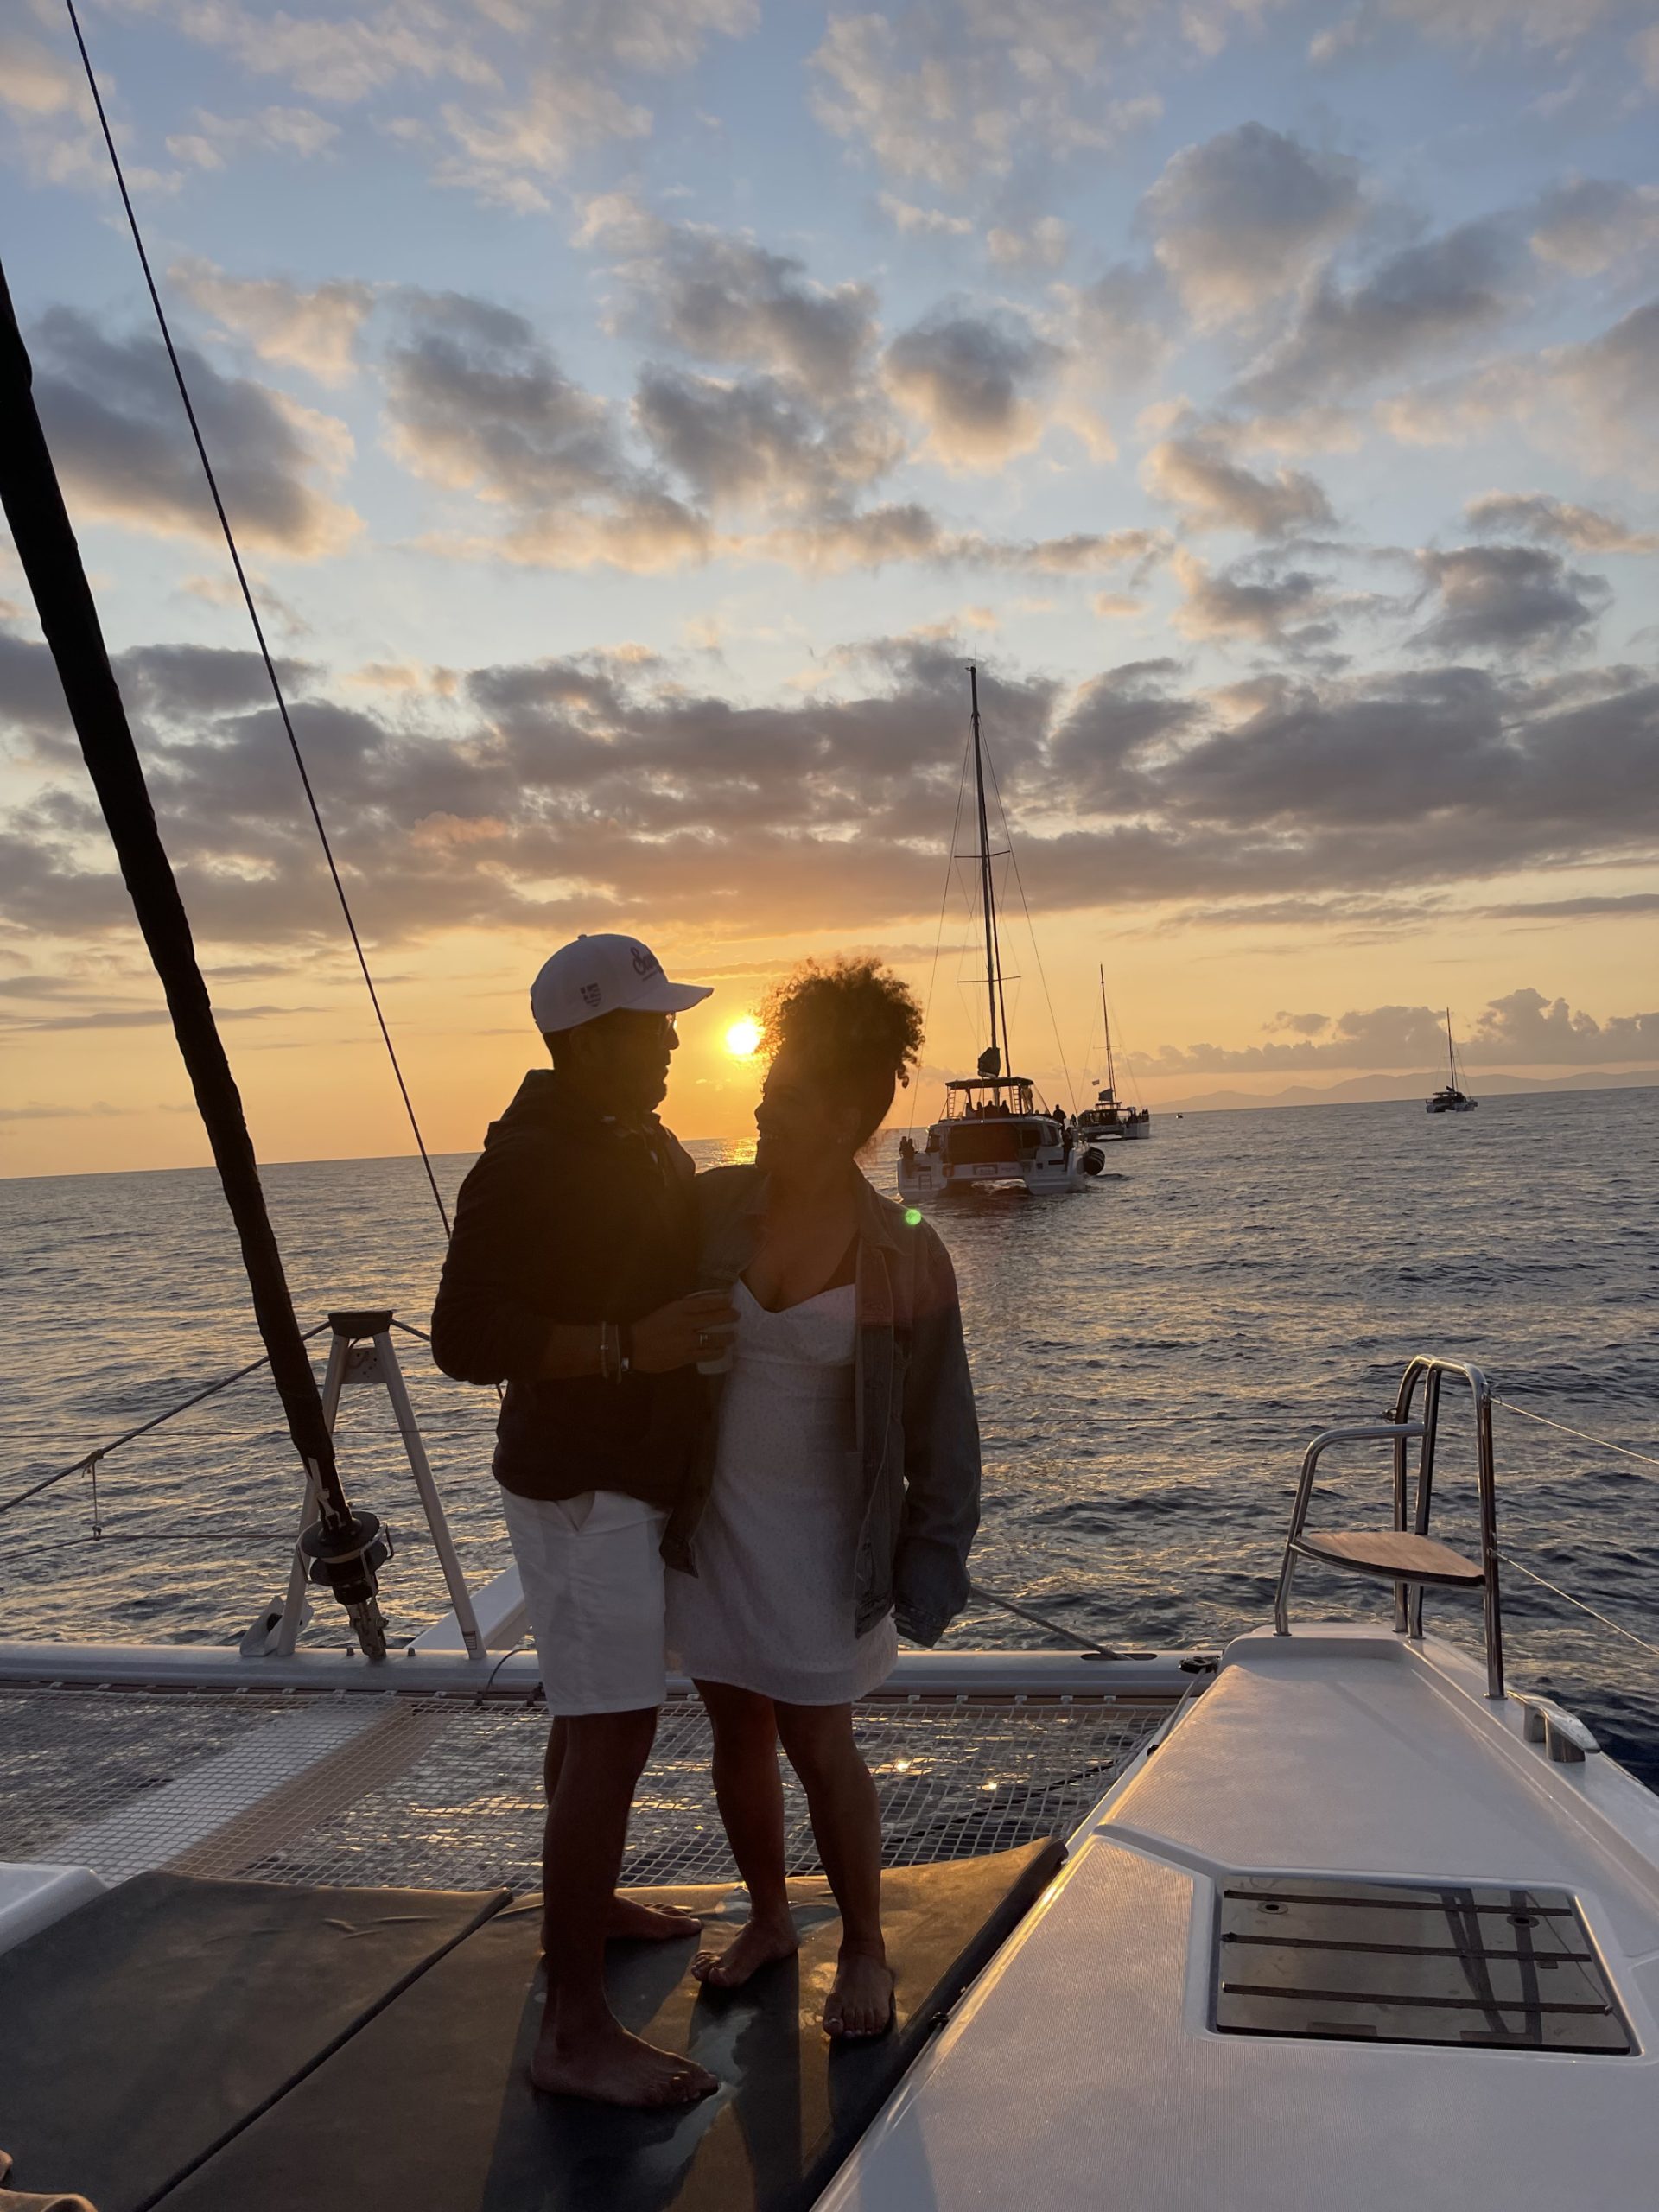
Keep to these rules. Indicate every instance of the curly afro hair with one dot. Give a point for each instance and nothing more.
(856, 1023)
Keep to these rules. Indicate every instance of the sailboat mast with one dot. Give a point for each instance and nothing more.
(1106, 1023)
(345, 1546)
(993, 977)
(1451, 1057)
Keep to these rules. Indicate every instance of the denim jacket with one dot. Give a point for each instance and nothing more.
(917, 1433)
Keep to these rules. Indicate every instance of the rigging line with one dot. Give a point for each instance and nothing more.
(944, 901)
(88, 1461)
(253, 611)
(1583, 1434)
(1617, 1627)
(1042, 972)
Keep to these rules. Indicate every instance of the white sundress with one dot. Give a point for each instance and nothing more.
(770, 1608)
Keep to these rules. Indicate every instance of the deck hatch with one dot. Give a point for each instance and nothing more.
(1510, 1969)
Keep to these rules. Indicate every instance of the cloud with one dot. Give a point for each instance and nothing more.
(956, 95)
(1424, 300)
(974, 380)
(123, 448)
(1114, 727)
(760, 440)
(1588, 224)
(1229, 605)
(1509, 598)
(521, 90)
(925, 222)
(315, 330)
(1596, 401)
(217, 139)
(1041, 243)
(723, 298)
(574, 792)
(1523, 1029)
(1537, 1031)
(34, 80)
(1121, 323)
(1216, 492)
(1238, 220)
(476, 401)
(1539, 515)
(1630, 905)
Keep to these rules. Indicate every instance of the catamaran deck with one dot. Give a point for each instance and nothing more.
(1341, 1759)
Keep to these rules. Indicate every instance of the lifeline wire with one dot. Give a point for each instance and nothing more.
(1617, 1627)
(88, 1461)
(253, 611)
(1583, 1434)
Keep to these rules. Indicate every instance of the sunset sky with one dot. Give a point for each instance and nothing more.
(635, 411)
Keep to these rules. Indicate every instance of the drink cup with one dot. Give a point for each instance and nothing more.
(720, 1361)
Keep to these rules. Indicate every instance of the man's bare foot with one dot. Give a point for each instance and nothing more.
(650, 1923)
(611, 2067)
(756, 1945)
(860, 2002)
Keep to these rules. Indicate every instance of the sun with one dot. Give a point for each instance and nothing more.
(743, 1038)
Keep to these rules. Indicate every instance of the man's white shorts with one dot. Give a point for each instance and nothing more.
(593, 1581)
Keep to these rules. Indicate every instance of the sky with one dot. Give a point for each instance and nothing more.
(634, 413)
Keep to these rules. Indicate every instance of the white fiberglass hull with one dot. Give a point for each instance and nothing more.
(930, 1176)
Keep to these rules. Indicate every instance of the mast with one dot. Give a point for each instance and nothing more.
(988, 896)
(1106, 1020)
(344, 1548)
(1451, 1057)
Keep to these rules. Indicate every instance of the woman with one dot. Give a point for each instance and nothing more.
(838, 1492)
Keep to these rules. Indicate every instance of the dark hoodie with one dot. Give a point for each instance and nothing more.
(569, 1216)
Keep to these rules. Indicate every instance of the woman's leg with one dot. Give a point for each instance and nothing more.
(750, 1793)
(847, 1822)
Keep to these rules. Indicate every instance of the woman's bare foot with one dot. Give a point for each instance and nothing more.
(611, 2067)
(860, 2002)
(650, 1923)
(756, 1945)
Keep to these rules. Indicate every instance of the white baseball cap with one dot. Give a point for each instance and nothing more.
(597, 975)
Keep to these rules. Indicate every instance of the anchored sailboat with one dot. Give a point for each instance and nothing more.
(1451, 1098)
(1111, 1118)
(993, 1131)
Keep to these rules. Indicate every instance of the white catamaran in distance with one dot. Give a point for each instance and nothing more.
(1111, 1118)
(993, 1131)
(1451, 1098)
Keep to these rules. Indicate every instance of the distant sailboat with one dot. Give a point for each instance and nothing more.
(1109, 1117)
(1451, 1098)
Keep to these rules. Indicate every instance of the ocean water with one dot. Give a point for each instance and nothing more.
(1150, 1356)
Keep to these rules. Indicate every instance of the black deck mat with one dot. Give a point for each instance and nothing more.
(143, 2030)
(428, 2109)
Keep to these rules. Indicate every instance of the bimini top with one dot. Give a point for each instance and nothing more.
(984, 1094)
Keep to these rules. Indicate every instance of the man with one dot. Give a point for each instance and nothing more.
(568, 1279)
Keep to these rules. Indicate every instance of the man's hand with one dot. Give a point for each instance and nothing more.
(698, 1327)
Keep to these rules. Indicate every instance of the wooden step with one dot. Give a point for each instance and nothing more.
(1393, 1552)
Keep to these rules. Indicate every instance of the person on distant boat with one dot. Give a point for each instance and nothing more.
(572, 1278)
(838, 1490)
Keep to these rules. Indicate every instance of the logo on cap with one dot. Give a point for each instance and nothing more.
(646, 964)
(591, 994)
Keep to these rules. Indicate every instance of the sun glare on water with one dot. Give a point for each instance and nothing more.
(743, 1038)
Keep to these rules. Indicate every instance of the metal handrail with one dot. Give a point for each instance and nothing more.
(1426, 1371)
